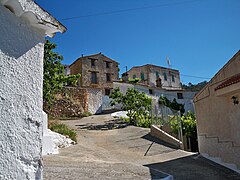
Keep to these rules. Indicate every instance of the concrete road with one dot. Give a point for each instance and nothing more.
(125, 153)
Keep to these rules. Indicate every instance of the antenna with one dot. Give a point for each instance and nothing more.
(169, 71)
(168, 62)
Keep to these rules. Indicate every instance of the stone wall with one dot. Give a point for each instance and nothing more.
(72, 102)
(136, 72)
(21, 69)
(84, 67)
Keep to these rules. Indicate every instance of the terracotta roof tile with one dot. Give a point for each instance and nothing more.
(229, 82)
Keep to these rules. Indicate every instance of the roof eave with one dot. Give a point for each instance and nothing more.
(34, 15)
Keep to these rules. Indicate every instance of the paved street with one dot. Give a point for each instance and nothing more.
(125, 153)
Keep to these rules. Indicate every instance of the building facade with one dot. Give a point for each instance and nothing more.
(155, 76)
(97, 71)
(24, 26)
(218, 114)
(181, 96)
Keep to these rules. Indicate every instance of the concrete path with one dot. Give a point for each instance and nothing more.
(125, 153)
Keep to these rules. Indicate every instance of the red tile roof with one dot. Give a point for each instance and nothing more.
(229, 82)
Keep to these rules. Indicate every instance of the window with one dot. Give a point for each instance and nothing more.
(150, 91)
(94, 77)
(107, 64)
(142, 76)
(165, 76)
(92, 62)
(180, 95)
(108, 77)
(107, 92)
(173, 78)
(134, 76)
(157, 75)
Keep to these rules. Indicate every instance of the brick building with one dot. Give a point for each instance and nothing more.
(155, 76)
(97, 71)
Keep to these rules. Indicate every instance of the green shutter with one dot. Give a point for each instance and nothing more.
(173, 78)
(165, 76)
(142, 76)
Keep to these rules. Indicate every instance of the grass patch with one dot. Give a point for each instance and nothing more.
(64, 130)
(86, 114)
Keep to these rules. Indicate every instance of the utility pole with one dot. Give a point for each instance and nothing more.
(126, 75)
(126, 69)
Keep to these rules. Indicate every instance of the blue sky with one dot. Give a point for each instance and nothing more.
(198, 36)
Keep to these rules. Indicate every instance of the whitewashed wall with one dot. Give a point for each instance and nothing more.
(95, 100)
(21, 69)
(170, 94)
(122, 86)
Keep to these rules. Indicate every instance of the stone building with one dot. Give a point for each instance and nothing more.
(155, 76)
(218, 113)
(97, 71)
(24, 26)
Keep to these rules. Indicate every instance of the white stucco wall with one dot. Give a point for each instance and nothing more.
(122, 86)
(170, 94)
(95, 98)
(21, 69)
(187, 96)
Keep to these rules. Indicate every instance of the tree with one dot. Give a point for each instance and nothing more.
(174, 105)
(53, 73)
(137, 105)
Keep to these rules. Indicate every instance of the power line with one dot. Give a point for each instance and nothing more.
(198, 77)
(127, 10)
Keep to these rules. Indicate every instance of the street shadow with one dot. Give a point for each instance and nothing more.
(108, 125)
(192, 167)
(158, 141)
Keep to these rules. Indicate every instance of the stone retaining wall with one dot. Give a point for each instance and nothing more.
(72, 102)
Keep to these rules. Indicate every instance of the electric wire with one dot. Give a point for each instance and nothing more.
(127, 10)
(198, 77)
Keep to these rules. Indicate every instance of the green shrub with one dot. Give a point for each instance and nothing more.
(124, 119)
(64, 130)
(134, 81)
(188, 124)
(144, 121)
(86, 114)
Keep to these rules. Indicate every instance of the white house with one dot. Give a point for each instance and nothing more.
(181, 96)
(23, 27)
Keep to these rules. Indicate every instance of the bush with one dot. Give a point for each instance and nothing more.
(188, 124)
(64, 130)
(134, 81)
(86, 114)
(144, 122)
(124, 119)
